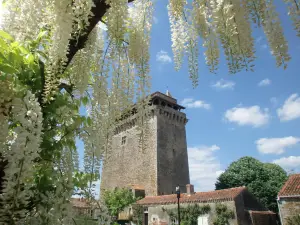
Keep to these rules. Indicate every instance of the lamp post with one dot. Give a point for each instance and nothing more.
(178, 207)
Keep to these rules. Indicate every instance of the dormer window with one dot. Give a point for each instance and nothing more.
(123, 142)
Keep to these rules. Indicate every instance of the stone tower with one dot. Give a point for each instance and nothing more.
(163, 164)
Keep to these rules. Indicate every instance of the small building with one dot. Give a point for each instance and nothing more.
(245, 208)
(289, 198)
(82, 208)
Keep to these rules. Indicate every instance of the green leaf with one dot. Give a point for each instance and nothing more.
(42, 34)
(6, 35)
(89, 121)
(5, 68)
(3, 44)
(30, 59)
(3, 57)
(85, 100)
(42, 54)
(23, 50)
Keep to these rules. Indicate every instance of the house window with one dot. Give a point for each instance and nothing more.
(203, 220)
(174, 222)
(123, 140)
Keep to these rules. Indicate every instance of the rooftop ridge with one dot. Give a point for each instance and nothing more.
(224, 194)
(291, 187)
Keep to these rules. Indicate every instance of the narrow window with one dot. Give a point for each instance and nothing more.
(123, 140)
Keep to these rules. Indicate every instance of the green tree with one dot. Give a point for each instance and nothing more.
(189, 214)
(138, 214)
(263, 180)
(223, 215)
(118, 199)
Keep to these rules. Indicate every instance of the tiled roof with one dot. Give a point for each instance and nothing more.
(291, 187)
(211, 196)
(262, 217)
(137, 187)
(79, 203)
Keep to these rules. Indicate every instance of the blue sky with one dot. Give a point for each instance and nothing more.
(247, 114)
(230, 116)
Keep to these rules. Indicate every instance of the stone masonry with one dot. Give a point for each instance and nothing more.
(162, 164)
(289, 207)
(289, 198)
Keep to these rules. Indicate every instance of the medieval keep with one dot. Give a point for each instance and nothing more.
(162, 164)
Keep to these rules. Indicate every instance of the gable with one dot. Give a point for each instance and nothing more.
(251, 202)
(291, 188)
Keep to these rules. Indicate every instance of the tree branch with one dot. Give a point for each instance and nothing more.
(76, 44)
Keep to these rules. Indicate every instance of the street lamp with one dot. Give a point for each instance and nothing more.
(178, 197)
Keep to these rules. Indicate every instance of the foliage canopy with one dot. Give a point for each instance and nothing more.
(264, 180)
(118, 199)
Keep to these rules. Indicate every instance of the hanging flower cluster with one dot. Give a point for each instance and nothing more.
(227, 22)
(294, 13)
(20, 154)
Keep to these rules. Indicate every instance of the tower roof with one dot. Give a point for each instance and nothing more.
(168, 94)
(167, 98)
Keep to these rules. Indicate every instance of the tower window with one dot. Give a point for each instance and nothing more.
(123, 140)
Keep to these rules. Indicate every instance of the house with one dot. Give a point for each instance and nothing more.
(244, 206)
(289, 198)
(82, 208)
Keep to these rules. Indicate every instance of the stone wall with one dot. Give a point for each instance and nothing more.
(157, 215)
(127, 164)
(288, 207)
(161, 166)
(172, 155)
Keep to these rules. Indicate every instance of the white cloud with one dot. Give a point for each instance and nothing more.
(264, 82)
(253, 116)
(219, 172)
(163, 57)
(204, 167)
(191, 103)
(290, 109)
(224, 84)
(288, 162)
(276, 145)
(155, 20)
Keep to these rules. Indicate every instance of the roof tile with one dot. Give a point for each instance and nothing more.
(291, 187)
(211, 196)
(262, 217)
(79, 203)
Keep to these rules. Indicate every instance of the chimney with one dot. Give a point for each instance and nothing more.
(190, 189)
